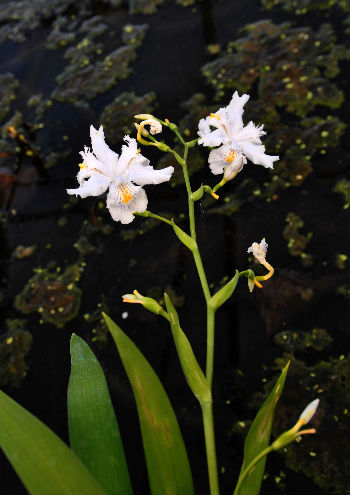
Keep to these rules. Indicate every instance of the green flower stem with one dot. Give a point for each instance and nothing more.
(148, 214)
(255, 461)
(220, 184)
(207, 408)
(210, 344)
(208, 422)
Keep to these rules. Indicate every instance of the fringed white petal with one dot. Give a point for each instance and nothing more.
(101, 149)
(124, 200)
(142, 175)
(129, 155)
(92, 163)
(234, 113)
(250, 133)
(256, 154)
(96, 185)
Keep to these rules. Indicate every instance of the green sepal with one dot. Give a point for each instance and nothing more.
(93, 428)
(192, 371)
(258, 438)
(224, 293)
(184, 238)
(45, 464)
(167, 462)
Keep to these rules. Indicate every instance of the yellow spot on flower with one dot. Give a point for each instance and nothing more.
(214, 116)
(125, 193)
(82, 165)
(231, 155)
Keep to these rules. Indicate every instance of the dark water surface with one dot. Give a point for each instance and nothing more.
(253, 330)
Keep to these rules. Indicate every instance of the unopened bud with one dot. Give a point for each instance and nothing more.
(309, 411)
(147, 302)
(144, 116)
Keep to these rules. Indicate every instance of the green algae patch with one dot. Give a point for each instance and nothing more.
(144, 6)
(134, 34)
(286, 62)
(15, 344)
(297, 242)
(90, 79)
(8, 83)
(292, 341)
(55, 297)
(302, 8)
(343, 187)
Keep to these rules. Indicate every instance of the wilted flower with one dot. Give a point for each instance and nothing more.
(236, 142)
(103, 169)
(259, 252)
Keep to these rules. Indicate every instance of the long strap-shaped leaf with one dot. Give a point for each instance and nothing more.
(93, 428)
(258, 438)
(166, 457)
(44, 463)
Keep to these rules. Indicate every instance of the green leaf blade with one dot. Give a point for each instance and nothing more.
(258, 438)
(192, 371)
(93, 428)
(41, 459)
(166, 457)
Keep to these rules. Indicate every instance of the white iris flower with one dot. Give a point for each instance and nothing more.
(236, 142)
(103, 169)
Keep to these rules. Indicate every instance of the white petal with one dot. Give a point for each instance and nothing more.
(250, 133)
(128, 155)
(122, 206)
(209, 137)
(97, 184)
(256, 154)
(84, 173)
(217, 162)
(101, 149)
(142, 175)
(235, 113)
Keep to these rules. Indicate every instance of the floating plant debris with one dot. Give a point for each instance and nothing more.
(22, 252)
(56, 297)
